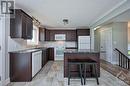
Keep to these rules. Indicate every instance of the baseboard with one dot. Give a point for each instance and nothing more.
(7, 81)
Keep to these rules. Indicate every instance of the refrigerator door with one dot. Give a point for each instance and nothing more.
(84, 42)
(84, 46)
(84, 39)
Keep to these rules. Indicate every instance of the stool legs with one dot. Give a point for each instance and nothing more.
(80, 73)
(95, 73)
(84, 74)
(68, 74)
(80, 69)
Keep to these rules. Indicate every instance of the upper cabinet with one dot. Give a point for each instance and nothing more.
(69, 34)
(83, 32)
(21, 25)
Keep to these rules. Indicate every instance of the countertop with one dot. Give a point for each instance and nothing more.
(80, 51)
(29, 50)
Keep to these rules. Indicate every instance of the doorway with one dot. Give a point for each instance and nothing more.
(106, 44)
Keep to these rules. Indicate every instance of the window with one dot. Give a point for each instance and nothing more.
(35, 34)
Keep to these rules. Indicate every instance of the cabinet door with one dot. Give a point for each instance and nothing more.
(47, 35)
(29, 28)
(51, 54)
(23, 18)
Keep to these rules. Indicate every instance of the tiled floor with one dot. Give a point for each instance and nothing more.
(52, 75)
(121, 73)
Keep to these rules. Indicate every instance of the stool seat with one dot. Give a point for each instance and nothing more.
(82, 61)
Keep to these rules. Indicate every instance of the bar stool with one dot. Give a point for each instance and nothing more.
(94, 67)
(79, 64)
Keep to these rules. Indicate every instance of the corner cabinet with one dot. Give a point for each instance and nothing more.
(21, 25)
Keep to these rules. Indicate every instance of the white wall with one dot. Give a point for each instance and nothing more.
(92, 38)
(2, 51)
(129, 36)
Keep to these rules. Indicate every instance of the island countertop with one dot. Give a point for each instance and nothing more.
(75, 54)
(80, 51)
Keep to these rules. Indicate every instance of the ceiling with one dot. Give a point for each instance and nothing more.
(80, 13)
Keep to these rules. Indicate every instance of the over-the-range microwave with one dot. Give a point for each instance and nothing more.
(59, 37)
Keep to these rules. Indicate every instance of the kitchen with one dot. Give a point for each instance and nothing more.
(54, 47)
(55, 40)
(31, 61)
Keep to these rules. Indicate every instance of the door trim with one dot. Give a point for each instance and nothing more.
(3, 55)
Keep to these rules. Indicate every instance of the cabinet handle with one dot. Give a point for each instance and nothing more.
(0, 47)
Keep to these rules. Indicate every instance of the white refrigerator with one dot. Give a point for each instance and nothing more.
(84, 42)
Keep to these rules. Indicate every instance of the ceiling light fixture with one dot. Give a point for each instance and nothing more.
(65, 21)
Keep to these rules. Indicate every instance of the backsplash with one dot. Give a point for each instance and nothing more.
(16, 44)
(55, 44)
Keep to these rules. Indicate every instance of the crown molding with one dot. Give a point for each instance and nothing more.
(123, 6)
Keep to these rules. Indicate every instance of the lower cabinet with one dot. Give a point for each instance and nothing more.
(24, 66)
(50, 54)
(44, 57)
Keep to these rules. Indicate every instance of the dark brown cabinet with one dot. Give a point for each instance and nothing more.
(21, 25)
(47, 35)
(50, 53)
(44, 57)
(83, 32)
(20, 67)
(50, 34)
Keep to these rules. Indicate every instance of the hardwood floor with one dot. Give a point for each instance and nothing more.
(121, 73)
(52, 75)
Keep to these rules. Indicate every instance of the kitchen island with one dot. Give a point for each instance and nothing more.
(75, 54)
